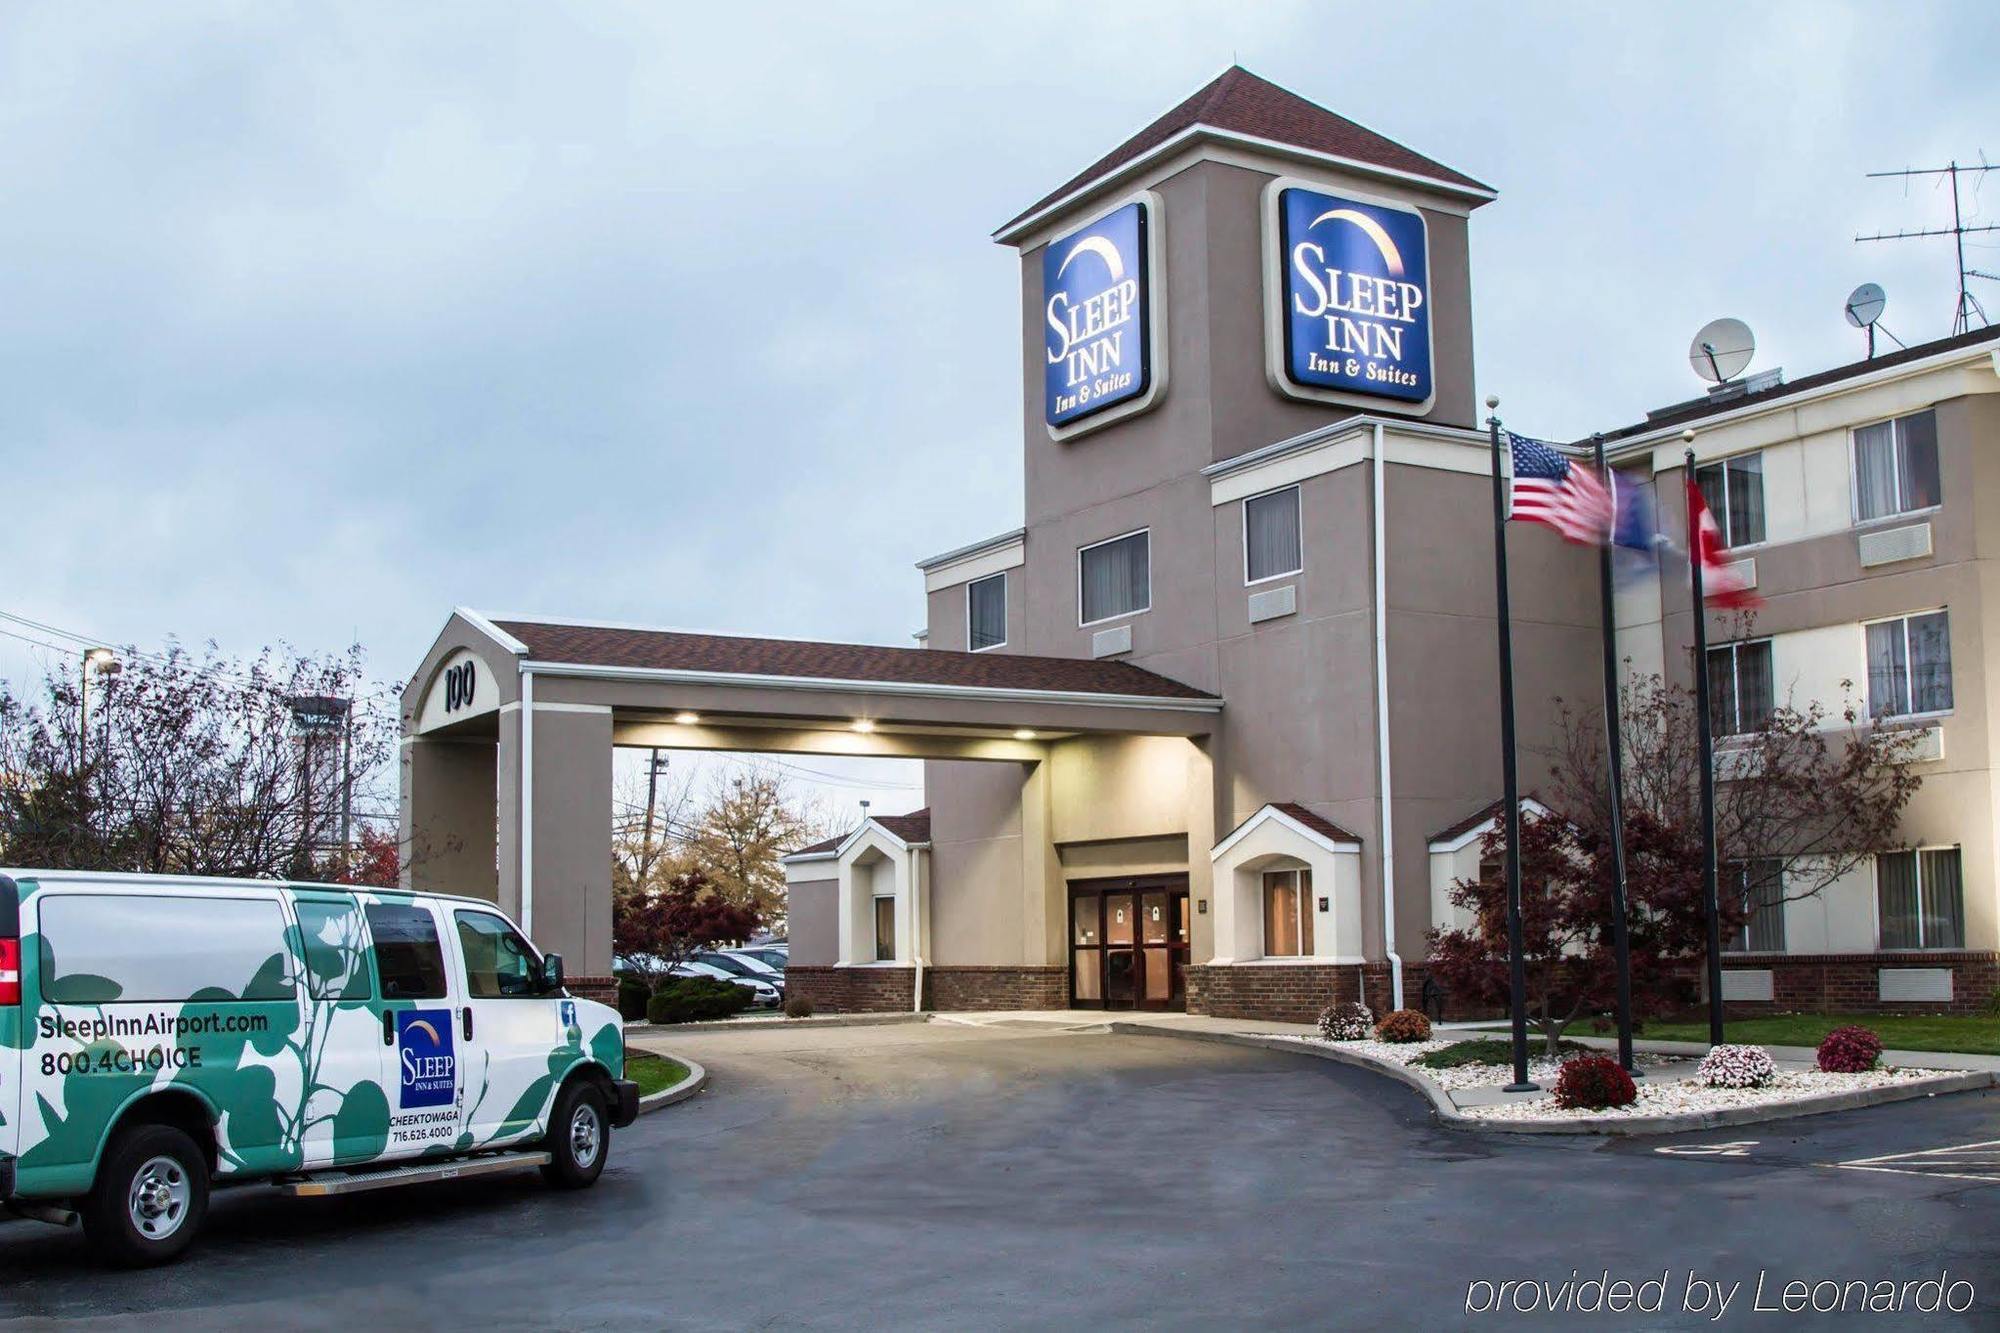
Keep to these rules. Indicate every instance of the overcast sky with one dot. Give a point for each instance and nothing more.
(317, 321)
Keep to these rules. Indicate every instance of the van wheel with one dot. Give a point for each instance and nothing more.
(579, 1138)
(150, 1197)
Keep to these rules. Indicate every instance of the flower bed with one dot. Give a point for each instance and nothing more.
(1540, 1070)
(1690, 1097)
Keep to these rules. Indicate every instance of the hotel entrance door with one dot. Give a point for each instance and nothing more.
(1129, 943)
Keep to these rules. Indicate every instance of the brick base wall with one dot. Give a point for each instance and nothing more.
(853, 990)
(1295, 992)
(604, 990)
(958, 987)
(1841, 982)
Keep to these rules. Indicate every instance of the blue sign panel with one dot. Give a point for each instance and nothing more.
(1098, 314)
(1356, 287)
(427, 1065)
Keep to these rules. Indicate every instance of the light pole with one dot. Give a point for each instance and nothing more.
(105, 663)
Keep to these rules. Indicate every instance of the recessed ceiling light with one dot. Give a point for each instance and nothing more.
(687, 719)
(863, 725)
(1024, 735)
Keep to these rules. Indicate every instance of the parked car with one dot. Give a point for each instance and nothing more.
(162, 1035)
(774, 956)
(762, 992)
(743, 965)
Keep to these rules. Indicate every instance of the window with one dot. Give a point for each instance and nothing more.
(130, 949)
(1739, 687)
(336, 967)
(885, 930)
(986, 612)
(1920, 899)
(499, 964)
(1733, 489)
(408, 957)
(1288, 914)
(1909, 665)
(1759, 885)
(1271, 536)
(1115, 578)
(1896, 467)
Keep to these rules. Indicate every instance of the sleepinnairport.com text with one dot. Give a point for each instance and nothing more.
(1696, 1294)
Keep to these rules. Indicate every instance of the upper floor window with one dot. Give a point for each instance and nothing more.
(1733, 489)
(1115, 578)
(986, 612)
(1896, 466)
(1920, 899)
(1271, 547)
(1740, 690)
(1759, 885)
(1909, 665)
(1288, 913)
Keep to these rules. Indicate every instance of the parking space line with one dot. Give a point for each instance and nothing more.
(1936, 1163)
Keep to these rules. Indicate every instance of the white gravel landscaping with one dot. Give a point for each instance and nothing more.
(1687, 1097)
(1662, 1096)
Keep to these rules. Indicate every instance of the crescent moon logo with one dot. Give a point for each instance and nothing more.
(1370, 228)
(425, 1026)
(1104, 250)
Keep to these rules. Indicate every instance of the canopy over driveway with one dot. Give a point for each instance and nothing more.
(509, 724)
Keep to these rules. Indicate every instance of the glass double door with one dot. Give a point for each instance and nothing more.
(1129, 943)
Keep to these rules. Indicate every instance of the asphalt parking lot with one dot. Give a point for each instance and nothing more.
(935, 1175)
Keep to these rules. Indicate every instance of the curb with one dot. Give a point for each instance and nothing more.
(696, 1079)
(1451, 1117)
(770, 1024)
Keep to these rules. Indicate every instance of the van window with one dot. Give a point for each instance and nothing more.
(498, 963)
(134, 949)
(336, 955)
(408, 957)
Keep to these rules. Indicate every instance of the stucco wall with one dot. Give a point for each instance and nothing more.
(813, 908)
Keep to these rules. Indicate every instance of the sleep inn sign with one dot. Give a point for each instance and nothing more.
(1356, 293)
(1097, 301)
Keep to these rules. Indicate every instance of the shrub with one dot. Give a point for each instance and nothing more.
(688, 999)
(1850, 1050)
(1478, 1051)
(632, 997)
(1594, 1082)
(1736, 1067)
(798, 1006)
(1348, 1021)
(1404, 1025)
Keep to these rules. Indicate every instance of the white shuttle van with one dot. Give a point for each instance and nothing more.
(159, 1035)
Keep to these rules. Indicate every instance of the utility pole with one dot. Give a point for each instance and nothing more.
(1968, 304)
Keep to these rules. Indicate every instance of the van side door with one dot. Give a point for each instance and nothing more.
(520, 1038)
(169, 990)
(346, 1119)
(418, 1026)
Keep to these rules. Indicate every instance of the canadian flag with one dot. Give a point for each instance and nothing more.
(1722, 583)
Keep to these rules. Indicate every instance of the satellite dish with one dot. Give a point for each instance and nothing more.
(1721, 350)
(1864, 305)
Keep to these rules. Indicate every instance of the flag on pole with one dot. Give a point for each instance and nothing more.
(1565, 495)
(1722, 583)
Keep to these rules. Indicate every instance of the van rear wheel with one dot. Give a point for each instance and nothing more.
(579, 1138)
(150, 1197)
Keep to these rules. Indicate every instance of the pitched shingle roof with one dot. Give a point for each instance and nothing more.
(1240, 102)
(913, 827)
(673, 650)
(1319, 824)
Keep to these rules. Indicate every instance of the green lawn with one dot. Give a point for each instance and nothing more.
(1973, 1034)
(1485, 1051)
(653, 1073)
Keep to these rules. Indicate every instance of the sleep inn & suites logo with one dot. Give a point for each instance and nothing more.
(1097, 313)
(1355, 284)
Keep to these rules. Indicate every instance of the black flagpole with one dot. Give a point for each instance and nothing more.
(1517, 965)
(1710, 899)
(1621, 944)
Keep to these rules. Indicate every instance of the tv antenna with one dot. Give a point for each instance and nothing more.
(1864, 311)
(1721, 350)
(1968, 304)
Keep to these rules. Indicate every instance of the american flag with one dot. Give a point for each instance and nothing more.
(1551, 489)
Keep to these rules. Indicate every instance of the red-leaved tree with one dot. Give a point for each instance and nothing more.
(654, 931)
